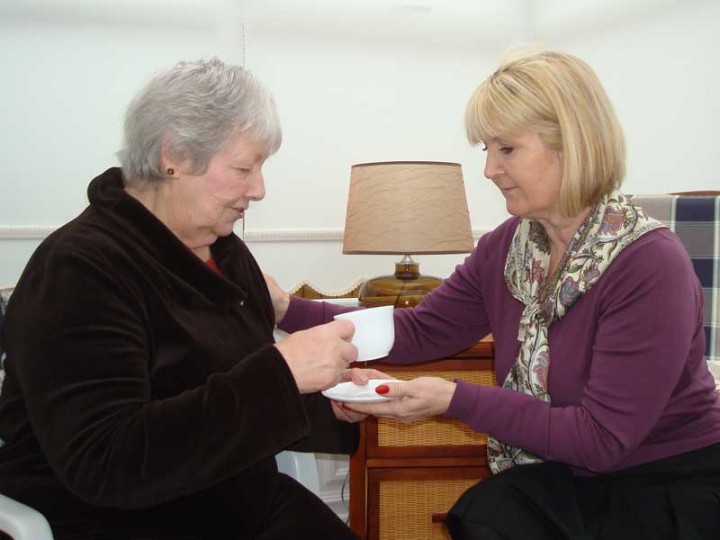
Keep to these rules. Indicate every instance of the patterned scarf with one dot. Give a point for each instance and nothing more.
(612, 225)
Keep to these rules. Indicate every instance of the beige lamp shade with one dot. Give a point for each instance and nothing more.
(407, 207)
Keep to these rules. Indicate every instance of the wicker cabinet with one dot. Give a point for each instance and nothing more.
(405, 477)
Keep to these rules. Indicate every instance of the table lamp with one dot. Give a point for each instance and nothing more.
(406, 208)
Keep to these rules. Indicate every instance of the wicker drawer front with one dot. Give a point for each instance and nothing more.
(434, 431)
(406, 507)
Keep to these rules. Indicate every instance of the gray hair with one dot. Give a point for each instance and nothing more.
(197, 109)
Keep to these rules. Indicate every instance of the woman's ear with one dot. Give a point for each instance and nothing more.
(170, 166)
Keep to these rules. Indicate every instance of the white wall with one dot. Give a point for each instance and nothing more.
(349, 100)
(69, 71)
(352, 102)
(662, 71)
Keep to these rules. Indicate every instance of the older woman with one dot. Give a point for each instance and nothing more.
(606, 425)
(144, 394)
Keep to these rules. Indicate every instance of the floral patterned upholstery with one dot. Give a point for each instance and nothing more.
(4, 297)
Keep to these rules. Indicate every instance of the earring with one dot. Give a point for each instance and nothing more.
(170, 171)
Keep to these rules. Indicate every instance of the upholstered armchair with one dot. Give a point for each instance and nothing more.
(695, 218)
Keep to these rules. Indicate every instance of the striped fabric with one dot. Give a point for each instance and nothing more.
(696, 220)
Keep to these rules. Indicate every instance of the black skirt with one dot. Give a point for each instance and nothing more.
(670, 499)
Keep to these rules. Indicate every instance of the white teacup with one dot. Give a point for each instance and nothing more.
(374, 331)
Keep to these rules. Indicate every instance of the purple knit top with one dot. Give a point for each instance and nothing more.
(628, 381)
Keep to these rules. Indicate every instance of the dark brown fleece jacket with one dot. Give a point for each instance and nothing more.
(141, 384)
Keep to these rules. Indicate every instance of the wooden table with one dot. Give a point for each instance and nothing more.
(405, 477)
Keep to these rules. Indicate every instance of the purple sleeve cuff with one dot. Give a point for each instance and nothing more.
(462, 403)
(478, 406)
(303, 313)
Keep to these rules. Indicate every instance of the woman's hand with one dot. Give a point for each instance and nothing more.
(412, 400)
(280, 298)
(359, 377)
(319, 356)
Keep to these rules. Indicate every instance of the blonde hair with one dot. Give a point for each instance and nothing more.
(559, 97)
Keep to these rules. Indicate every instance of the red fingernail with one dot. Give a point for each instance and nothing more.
(382, 389)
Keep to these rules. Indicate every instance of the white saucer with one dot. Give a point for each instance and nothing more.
(349, 392)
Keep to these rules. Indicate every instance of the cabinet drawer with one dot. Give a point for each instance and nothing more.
(448, 436)
(403, 502)
(404, 478)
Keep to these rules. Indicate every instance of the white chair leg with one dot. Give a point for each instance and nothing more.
(302, 467)
(22, 522)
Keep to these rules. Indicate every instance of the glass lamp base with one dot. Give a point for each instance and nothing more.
(405, 288)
